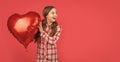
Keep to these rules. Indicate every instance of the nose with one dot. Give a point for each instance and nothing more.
(55, 15)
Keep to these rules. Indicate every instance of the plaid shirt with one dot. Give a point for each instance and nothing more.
(47, 49)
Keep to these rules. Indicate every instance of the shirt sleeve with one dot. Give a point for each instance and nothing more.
(54, 39)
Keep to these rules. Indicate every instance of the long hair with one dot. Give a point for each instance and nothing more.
(44, 22)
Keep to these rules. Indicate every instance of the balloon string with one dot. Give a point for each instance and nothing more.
(26, 50)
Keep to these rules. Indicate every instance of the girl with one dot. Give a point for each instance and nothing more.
(47, 36)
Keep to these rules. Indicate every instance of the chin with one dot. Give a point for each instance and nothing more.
(53, 21)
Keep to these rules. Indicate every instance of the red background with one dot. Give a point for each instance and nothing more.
(90, 30)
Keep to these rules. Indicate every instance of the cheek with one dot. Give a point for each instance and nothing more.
(49, 16)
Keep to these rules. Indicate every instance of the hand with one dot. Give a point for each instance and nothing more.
(49, 32)
(41, 28)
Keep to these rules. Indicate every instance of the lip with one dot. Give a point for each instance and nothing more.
(54, 18)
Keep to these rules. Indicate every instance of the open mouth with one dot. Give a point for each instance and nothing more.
(54, 18)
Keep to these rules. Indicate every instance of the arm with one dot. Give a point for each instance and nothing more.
(54, 39)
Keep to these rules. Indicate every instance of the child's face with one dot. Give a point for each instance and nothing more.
(52, 15)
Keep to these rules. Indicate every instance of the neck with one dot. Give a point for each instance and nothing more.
(48, 22)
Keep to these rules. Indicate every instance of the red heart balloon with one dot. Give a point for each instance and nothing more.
(24, 27)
